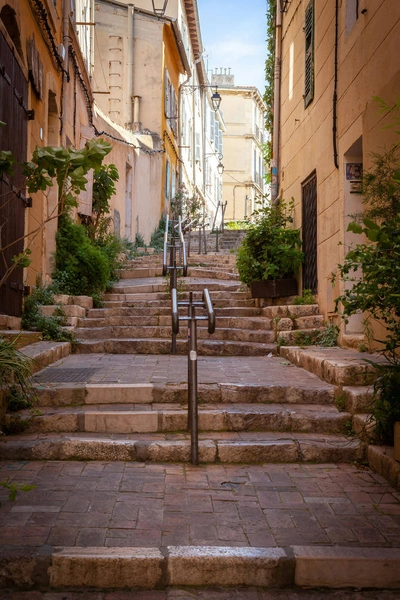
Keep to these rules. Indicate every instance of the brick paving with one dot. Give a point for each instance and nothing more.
(128, 504)
(172, 369)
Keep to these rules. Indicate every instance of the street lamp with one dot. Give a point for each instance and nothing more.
(216, 100)
(220, 166)
(159, 7)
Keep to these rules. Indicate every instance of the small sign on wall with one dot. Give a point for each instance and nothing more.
(354, 174)
(354, 171)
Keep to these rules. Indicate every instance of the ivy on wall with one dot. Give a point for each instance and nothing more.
(270, 65)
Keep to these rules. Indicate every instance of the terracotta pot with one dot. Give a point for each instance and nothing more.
(274, 288)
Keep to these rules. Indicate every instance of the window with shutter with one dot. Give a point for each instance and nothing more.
(198, 147)
(167, 181)
(167, 90)
(309, 54)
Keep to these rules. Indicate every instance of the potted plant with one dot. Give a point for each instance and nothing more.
(270, 255)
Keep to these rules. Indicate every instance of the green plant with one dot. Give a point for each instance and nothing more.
(17, 399)
(302, 338)
(139, 241)
(50, 326)
(329, 336)
(237, 225)
(99, 222)
(281, 341)
(306, 298)
(14, 487)
(385, 409)
(15, 424)
(340, 401)
(271, 248)
(81, 268)
(15, 367)
(371, 272)
(157, 237)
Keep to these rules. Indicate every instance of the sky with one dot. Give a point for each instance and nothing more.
(234, 34)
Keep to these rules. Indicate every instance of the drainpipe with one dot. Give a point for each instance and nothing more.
(129, 83)
(65, 21)
(277, 106)
(334, 112)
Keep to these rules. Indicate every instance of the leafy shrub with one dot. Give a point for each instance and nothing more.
(271, 248)
(81, 268)
(386, 406)
(50, 326)
(237, 225)
(157, 237)
(372, 268)
(15, 367)
(306, 298)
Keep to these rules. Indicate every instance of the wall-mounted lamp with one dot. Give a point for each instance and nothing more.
(159, 7)
(220, 166)
(215, 98)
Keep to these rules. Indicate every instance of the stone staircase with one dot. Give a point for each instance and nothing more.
(120, 403)
(136, 316)
(228, 240)
(268, 421)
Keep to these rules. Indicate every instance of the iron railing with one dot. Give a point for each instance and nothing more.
(192, 318)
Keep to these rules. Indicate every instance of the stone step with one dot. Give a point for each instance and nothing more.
(58, 392)
(215, 273)
(298, 337)
(45, 353)
(128, 311)
(165, 332)
(168, 418)
(290, 311)
(163, 346)
(250, 323)
(149, 302)
(202, 572)
(216, 289)
(227, 447)
(338, 366)
(20, 338)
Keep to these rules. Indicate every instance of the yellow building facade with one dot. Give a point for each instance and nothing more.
(332, 59)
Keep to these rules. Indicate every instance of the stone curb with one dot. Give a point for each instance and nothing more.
(46, 353)
(157, 568)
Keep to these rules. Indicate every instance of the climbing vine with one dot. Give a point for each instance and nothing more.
(270, 65)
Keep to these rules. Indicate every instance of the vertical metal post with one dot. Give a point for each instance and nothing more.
(205, 239)
(173, 280)
(192, 387)
(216, 239)
(223, 207)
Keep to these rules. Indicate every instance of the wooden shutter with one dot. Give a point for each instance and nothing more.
(309, 54)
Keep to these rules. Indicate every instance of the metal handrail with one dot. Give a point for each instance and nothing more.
(210, 311)
(183, 246)
(175, 314)
(174, 226)
(165, 249)
(192, 318)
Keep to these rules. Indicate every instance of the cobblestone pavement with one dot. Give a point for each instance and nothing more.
(128, 504)
(159, 369)
(207, 594)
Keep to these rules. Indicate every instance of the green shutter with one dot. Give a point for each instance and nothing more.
(309, 54)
